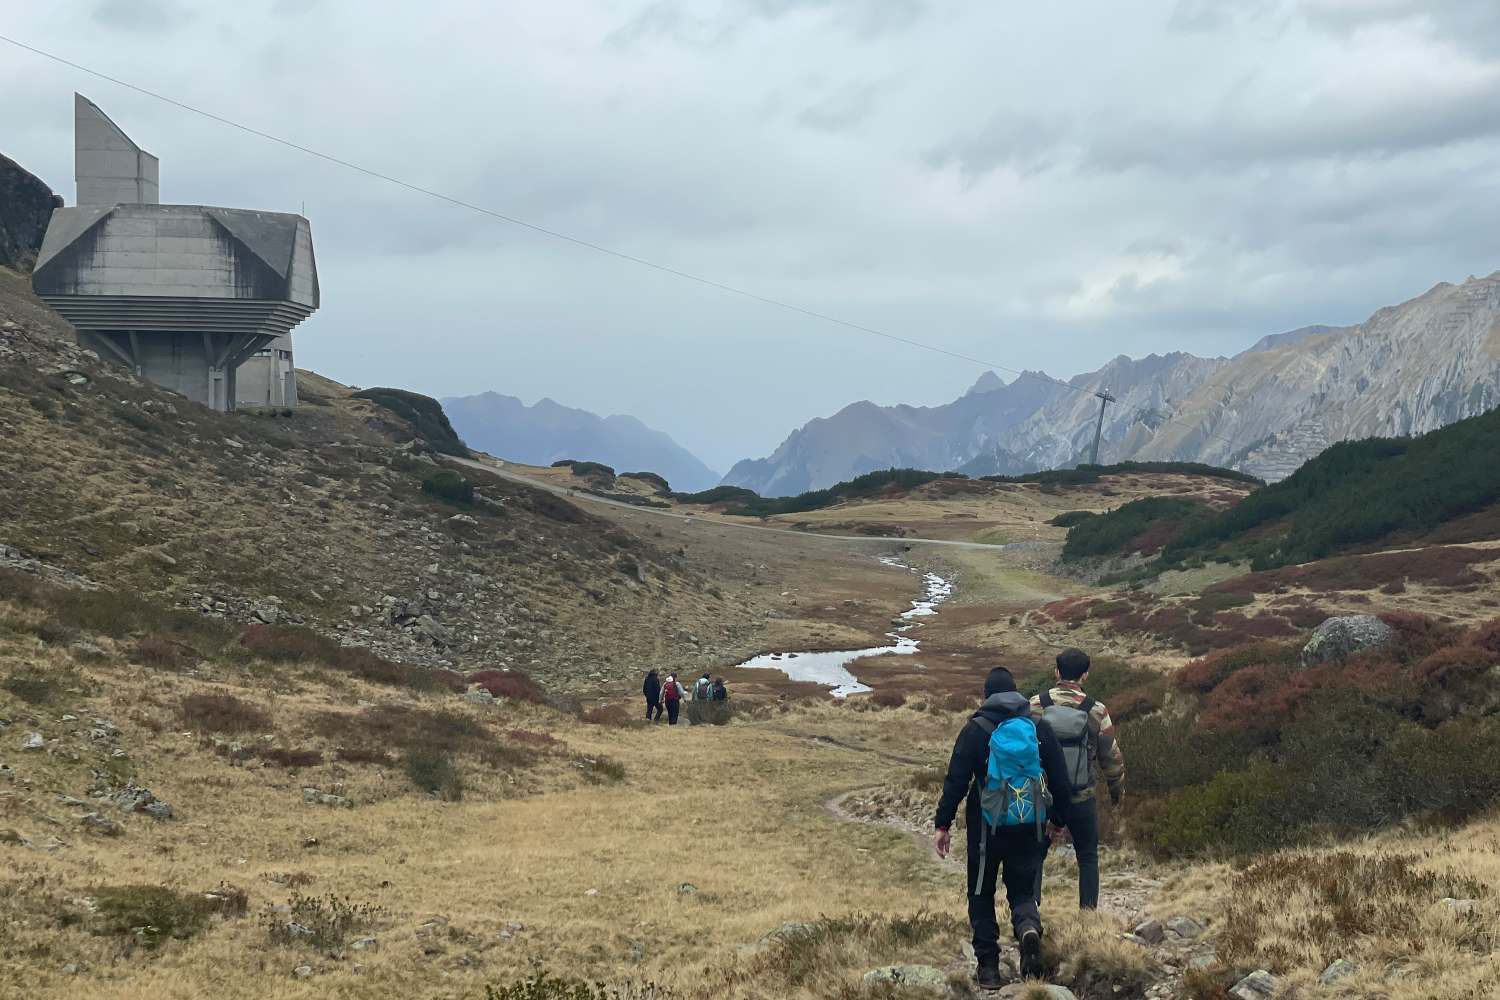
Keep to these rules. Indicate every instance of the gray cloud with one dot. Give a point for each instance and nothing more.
(1038, 190)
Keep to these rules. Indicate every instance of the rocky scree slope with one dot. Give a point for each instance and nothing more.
(320, 518)
(1408, 369)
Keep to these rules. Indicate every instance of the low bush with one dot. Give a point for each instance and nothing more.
(1071, 517)
(404, 728)
(1144, 526)
(162, 654)
(511, 685)
(609, 715)
(433, 771)
(289, 757)
(108, 612)
(888, 699)
(600, 770)
(42, 686)
(365, 755)
(322, 924)
(445, 484)
(153, 913)
(218, 712)
(541, 986)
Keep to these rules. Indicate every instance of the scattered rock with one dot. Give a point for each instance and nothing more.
(1257, 986)
(921, 977)
(687, 889)
(479, 696)
(101, 824)
(1017, 990)
(1150, 931)
(303, 972)
(1340, 969)
(33, 741)
(366, 944)
(268, 615)
(591, 892)
(1337, 638)
(1185, 927)
(135, 799)
(12, 837)
(462, 521)
(317, 796)
(1460, 907)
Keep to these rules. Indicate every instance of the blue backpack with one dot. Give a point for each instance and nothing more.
(1013, 792)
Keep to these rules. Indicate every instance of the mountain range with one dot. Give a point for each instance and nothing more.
(1408, 369)
(548, 432)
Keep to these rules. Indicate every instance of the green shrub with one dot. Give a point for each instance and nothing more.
(1139, 526)
(1234, 812)
(152, 913)
(433, 771)
(1068, 519)
(324, 924)
(39, 686)
(541, 986)
(445, 484)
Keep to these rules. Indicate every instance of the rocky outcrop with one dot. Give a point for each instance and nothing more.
(26, 206)
(1341, 637)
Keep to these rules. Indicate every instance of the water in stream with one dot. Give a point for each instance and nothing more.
(831, 668)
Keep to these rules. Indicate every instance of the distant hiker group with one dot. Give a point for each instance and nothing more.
(669, 694)
(1028, 768)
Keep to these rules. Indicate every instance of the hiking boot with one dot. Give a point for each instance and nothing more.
(988, 975)
(1031, 953)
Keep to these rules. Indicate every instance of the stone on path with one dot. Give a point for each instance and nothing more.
(1017, 990)
(1150, 931)
(1185, 927)
(919, 977)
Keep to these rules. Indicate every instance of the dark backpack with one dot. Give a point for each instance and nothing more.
(1071, 727)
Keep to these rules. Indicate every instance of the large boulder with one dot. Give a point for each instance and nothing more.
(26, 206)
(1341, 637)
(915, 978)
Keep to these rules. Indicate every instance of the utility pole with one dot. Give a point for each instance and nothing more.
(1104, 400)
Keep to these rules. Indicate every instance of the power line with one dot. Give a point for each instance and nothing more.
(576, 241)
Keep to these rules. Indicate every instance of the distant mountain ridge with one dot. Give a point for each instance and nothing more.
(548, 432)
(1409, 369)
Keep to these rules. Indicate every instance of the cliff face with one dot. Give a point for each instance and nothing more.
(26, 205)
(1409, 369)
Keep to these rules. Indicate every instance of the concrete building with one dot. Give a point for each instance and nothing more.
(184, 294)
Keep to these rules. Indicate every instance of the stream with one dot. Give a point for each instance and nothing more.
(831, 668)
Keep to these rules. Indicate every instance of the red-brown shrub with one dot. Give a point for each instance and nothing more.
(888, 699)
(217, 712)
(532, 739)
(1487, 637)
(1416, 635)
(511, 684)
(1241, 702)
(163, 654)
(1135, 703)
(609, 715)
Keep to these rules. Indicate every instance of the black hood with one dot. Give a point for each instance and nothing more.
(1005, 705)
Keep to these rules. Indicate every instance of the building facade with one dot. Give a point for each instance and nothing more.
(185, 295)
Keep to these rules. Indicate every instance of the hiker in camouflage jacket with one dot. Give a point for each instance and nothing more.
(1096, 752)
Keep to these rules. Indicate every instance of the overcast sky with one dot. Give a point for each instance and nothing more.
(1043, 185)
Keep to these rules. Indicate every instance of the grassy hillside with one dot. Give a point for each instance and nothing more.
(1355, 494)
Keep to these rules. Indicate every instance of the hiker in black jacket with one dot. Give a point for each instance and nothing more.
(652, 690)
(1012, 854)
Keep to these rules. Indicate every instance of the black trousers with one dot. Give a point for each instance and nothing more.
(673, 707)
(1012, 857)
(652, 706)
(1083, 824)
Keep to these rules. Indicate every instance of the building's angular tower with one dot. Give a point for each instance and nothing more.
(182, 293)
